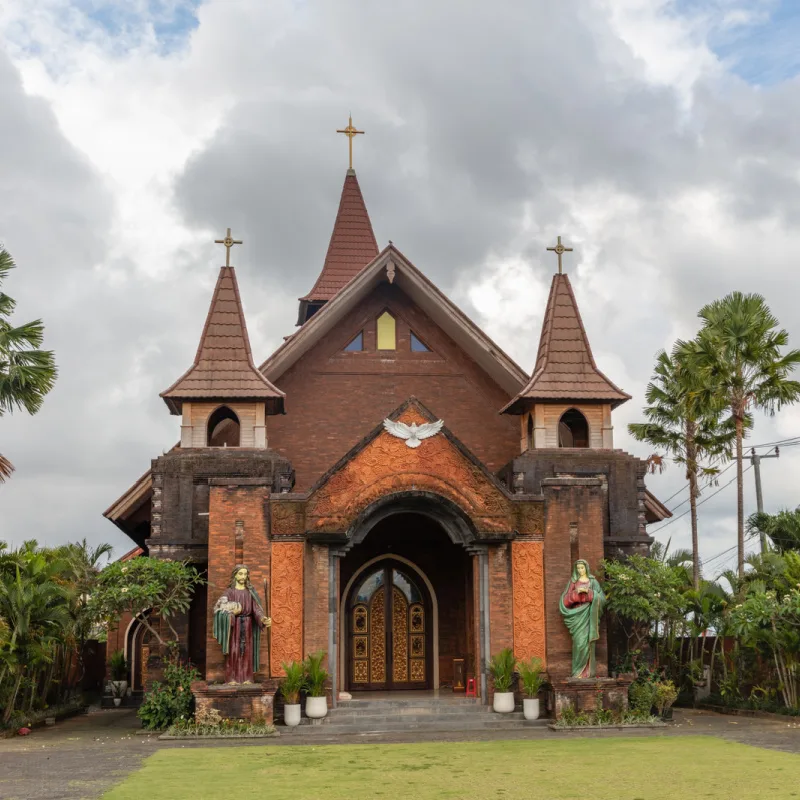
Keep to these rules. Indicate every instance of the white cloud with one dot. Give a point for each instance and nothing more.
(489, 132)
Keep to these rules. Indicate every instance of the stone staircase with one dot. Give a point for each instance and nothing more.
(401, 715)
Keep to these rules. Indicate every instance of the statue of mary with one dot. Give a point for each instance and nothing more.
(581, 604)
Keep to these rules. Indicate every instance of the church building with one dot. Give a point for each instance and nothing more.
(409, 560)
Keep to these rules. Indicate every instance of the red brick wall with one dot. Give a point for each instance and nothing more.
(501, 620)
(315, 601)
(333, 398)
(578, 501)
(227, 506)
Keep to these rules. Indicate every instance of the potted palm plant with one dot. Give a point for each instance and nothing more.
(501, 667)
(119, 674)
(291, 686)
(530, 673)
(315, 679)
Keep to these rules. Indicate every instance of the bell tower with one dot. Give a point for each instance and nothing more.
(568, 401)
(223, 399)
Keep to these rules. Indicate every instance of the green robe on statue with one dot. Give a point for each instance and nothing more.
(581, 604)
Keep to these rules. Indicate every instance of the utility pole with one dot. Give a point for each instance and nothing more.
(755, 460)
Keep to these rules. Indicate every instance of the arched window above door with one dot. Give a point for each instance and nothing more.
(573, 429)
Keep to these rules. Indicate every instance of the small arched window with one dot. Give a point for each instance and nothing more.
(529, 437)
(573, 429)
(223, 428)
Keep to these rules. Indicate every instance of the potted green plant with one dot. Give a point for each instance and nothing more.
(501, 668)
(315, 679)
(118, 668)
(665, 695)
(530, 673)
(291, 686)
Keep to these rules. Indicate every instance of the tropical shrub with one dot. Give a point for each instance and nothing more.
(167, 702)
(315, 675)
(501, 666)
(294, 681)
(530, 674)
(117, 666)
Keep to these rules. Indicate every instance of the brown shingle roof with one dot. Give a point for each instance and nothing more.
(352, 244)
(223, 368)
(565, 368)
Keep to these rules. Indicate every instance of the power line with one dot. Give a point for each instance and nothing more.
(704, 500)
(715, 477)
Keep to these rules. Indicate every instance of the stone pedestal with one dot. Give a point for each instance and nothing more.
(585, 694)
(252, 702)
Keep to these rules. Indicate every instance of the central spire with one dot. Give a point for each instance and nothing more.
(352, 245)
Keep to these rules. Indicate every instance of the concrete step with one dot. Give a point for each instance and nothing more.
(426, 702)
(445, 711)
(334, 718)
(488, 723)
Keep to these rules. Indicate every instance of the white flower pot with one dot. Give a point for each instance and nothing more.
(316, 707)
(117, 701)
(503, 702)
(530, 708)
(291, 714)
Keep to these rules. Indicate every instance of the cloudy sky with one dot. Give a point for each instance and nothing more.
(662, 139)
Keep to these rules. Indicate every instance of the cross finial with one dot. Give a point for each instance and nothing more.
(559, 250)
(229, 242)
(350, 132)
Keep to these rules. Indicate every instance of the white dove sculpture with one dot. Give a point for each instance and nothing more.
(413, 433)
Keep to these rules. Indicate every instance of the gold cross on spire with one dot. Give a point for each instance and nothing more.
(350, 132)
(229, 242)
(559, 250)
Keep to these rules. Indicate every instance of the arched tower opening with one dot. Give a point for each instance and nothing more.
(573, 429)
(224, 429)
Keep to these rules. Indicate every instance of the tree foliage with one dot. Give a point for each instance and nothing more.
(27, 373)
(146, 588)
(691, 429)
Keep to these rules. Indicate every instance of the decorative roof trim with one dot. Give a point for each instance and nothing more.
(488, 355)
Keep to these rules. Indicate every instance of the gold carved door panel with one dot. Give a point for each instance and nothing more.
(388, 631)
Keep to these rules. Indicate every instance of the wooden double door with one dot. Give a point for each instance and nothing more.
(388, 630)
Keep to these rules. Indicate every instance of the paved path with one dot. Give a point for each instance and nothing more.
(82, 757)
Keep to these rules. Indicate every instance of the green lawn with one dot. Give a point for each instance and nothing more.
(695, 767)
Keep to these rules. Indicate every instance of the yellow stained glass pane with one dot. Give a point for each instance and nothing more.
(387, 336)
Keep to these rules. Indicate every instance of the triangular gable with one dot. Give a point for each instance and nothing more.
(392, 266)
(565, 367)
(382, 464)
(223, 368)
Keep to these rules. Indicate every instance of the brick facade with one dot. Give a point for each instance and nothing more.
(465, 507)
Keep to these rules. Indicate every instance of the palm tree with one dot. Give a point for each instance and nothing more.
(738, 356)
(687, 427)
(782, 528)
(27, 373)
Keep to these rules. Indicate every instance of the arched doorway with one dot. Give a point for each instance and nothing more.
(408, 599)
(389, 624)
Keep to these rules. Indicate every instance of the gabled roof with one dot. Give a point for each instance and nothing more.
(223, 368)
(565, 368)
(352, 246)
(392, 266)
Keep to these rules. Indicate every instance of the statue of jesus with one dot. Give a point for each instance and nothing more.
(238, 621)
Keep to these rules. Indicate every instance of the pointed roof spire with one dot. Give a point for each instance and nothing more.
(223, 368)
(565, 368)
(352, 247)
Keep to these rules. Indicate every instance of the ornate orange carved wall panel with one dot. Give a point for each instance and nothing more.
(527, 569)
(287, 518)
(286, 594)
(387, 465)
